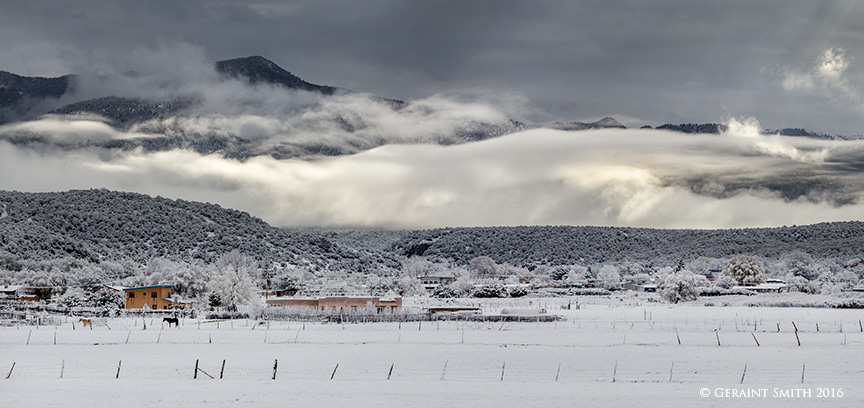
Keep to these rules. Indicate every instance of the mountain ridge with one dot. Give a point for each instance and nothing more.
(102, 225)
(257, 69)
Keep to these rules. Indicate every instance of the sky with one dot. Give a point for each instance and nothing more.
(642, 62)
(751, 65)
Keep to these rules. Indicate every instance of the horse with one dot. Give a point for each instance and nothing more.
(86, 322)
(171, 320)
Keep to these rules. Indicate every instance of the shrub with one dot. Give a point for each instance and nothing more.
(489, 291)
(518, 291)
(444, 292)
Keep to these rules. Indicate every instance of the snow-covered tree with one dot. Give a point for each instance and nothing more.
(558, 273)
(578, 275)
(703, 265)
(463, 286)
(801, 284)
(483, 267)
(291, 278)
(444, 292)
(89, 277)
(679, 286)
(725, 282)
(189, 281)
(417, 266)
(406, 286)
(637, 278)
(610, 278)
(106, 299)
(491, 290)
(517, 291)
(745, 269)
(231, 280)
(73, 297)
(800, 263)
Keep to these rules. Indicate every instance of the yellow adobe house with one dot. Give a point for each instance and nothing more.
(150, 297)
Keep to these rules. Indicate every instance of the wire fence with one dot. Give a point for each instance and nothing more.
(490, 371)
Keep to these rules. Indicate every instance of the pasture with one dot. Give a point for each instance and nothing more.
(608, 352)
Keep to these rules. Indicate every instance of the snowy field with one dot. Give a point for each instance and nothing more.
(608, 352)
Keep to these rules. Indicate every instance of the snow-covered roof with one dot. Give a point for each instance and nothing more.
(764, 286)
(10, 288)
(150, 287)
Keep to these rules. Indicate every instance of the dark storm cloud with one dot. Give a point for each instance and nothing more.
(647, 62)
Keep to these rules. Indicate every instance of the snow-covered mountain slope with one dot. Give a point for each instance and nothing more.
(98, 225)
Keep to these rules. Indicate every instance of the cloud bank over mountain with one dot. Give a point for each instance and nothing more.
(165, 121)
(630, 177)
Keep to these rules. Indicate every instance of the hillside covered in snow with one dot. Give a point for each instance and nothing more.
(101, 225)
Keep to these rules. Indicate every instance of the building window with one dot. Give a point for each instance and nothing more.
(153, 294)
(131, 295)
(153, 307)
(380, 309)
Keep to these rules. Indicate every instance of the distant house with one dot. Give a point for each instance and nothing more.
(389, 303)
(151, 297)
(769, 286)
(286, 292)
(19, 292)
(10, 290)
(430, 282)
(639, 287)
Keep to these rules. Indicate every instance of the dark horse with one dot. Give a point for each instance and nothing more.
(171, 320)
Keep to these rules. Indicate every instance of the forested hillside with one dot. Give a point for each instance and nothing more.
(563, 245)
(102, 225)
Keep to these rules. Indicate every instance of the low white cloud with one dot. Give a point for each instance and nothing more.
(774, 145)
(601, 177)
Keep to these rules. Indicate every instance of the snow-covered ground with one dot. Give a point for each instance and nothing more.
(608, 352)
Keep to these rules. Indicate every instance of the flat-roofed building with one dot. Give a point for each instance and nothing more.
(150, 297)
